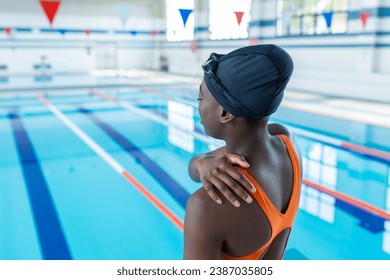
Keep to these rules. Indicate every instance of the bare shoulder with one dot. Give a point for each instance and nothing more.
(276, 128)
(202, 210)
(201, 204)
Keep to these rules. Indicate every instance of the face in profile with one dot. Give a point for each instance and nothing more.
(209, 112)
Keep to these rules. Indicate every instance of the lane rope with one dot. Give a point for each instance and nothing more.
(113, 163)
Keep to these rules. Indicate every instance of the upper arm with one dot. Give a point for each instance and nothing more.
(202, 238)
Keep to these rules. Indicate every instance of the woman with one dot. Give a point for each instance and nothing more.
(237, 95)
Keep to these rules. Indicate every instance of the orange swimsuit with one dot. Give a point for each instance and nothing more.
(278, 221)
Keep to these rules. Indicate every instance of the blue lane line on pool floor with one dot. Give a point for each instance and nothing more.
(165, 180)
(51, 237)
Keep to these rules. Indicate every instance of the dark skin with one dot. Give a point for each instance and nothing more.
(235, 228)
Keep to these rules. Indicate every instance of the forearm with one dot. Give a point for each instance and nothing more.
(192, 168)
(194, 162)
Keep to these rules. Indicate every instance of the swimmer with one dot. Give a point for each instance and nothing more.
(251, 186)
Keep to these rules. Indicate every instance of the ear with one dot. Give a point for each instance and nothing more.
(225, 116)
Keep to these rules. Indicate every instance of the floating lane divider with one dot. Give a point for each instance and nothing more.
(177, 192)
(373, 153)
(163, 121)
(364, 206)
(169, 97)
(366, 151)
(352, 201)
(113, 163)
(376, 154)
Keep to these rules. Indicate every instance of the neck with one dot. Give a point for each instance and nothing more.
(246, 141)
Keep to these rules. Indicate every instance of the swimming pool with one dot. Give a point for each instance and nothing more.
(102, 174)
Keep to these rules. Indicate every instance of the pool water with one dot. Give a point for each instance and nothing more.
(65, 191)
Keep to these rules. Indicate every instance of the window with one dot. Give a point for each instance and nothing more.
(308, 17)
(229, 19)
(180, 20)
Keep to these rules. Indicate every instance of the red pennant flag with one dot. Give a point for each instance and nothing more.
(253, 42)
(87, 32)
(50, 7)
(193, 46)
(239, 16)
(7, 31)
(363, 17)
(154, 33)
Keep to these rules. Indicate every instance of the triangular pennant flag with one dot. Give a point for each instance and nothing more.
(328, 16)
(193, 46)
(62, 31)
(363, 17)
(239, 16)
(254, 42)
(123, 11)
(185, 13)
(154, 33)
(87, 32)
(50, 7)
(133, 32)
(7, 31)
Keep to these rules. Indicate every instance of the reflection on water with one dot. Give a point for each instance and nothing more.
(361, 179)
(319, 165)
(181, 116)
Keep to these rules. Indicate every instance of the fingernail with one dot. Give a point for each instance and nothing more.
(237, 203)
(219, 201)
(253, 189)
(249, 199)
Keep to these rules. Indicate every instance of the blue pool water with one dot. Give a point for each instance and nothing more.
(59, 199)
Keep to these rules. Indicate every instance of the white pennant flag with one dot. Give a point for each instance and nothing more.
(123, 11)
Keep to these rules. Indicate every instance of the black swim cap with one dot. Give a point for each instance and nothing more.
(249, 82)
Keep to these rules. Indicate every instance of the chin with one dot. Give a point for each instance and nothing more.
(213, 135)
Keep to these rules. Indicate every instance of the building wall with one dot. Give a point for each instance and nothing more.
(66, 46)
(356, 64)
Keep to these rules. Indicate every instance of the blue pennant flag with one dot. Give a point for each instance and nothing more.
(133, 32)
(62, 31)
(328, 16)
(185, 13)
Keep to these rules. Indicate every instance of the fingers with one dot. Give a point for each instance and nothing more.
(210, 191)
(235, 186)
(221, 186)
(241, 179)
(237, 159)
(219, 173)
